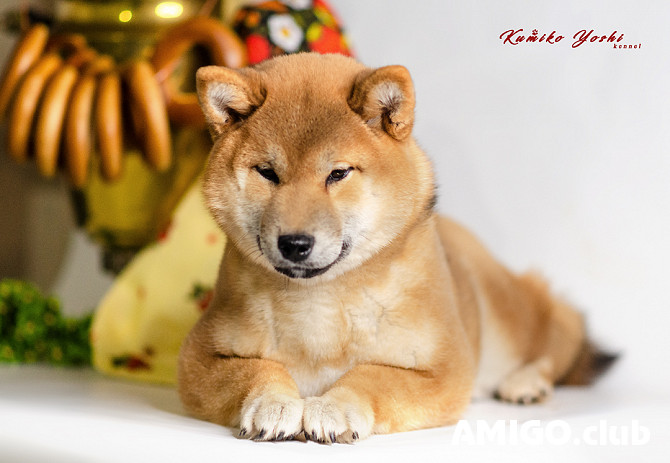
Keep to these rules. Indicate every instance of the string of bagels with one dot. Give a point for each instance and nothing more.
(62, 100)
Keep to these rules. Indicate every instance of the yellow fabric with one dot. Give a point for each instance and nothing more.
(142, 320)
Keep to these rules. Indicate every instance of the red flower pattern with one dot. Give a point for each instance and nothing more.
(258, 48)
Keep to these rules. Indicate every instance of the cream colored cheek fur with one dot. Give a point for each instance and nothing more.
(364, 232)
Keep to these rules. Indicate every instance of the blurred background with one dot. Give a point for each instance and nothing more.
(557, 157)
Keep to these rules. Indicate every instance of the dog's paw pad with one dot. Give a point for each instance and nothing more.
(327, 420)
(271, 416)
(525, 386)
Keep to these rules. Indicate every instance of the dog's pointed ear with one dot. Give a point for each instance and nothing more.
(384, 98)
(228, 96)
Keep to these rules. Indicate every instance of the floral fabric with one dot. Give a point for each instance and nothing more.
(141, 322)
(276, 28)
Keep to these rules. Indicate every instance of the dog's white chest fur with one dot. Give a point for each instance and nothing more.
(309, 322)
(308, 334)
(319, 336)
(312, 382)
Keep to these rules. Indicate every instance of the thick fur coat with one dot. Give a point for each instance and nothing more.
(345, 306)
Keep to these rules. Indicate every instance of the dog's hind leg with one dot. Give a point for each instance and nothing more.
(529, 384)
(558, 352)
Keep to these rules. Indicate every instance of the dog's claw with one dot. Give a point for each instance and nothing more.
(243, 432)
(355, 435)
(261, 434)
(280, 436)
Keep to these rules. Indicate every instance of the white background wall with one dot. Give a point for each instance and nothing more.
(556, 157)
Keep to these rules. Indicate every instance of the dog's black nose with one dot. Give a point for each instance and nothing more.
(295, 248)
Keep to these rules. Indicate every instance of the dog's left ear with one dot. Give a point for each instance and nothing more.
(384, 98)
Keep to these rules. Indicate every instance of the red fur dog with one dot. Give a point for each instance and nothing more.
(345, 306)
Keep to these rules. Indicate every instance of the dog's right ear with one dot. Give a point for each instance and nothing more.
(228, 96)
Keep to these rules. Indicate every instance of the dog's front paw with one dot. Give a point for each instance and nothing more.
(329, 419)
(271, 416)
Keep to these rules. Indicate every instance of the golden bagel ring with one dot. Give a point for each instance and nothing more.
(25, 103)
(78, 120)
(25, 55)
(108, 125)
(224, 47)
(50, 118)
(78, 130)
(149, 114)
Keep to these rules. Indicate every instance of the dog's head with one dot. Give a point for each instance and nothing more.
(313, 169)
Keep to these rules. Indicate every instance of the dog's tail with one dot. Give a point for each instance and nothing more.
(590, 363)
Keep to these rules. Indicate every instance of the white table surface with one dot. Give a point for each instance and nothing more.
(61, 415)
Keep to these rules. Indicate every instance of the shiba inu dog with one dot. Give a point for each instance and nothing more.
(345, 306)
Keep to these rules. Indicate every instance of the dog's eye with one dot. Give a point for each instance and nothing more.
(337, 175)
(268, 173)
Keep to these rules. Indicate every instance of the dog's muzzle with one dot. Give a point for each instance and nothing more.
(295, 251)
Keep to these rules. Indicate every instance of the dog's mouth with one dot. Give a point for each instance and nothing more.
(298, 271)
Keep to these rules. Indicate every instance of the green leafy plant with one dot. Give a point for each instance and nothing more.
(33, 329)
